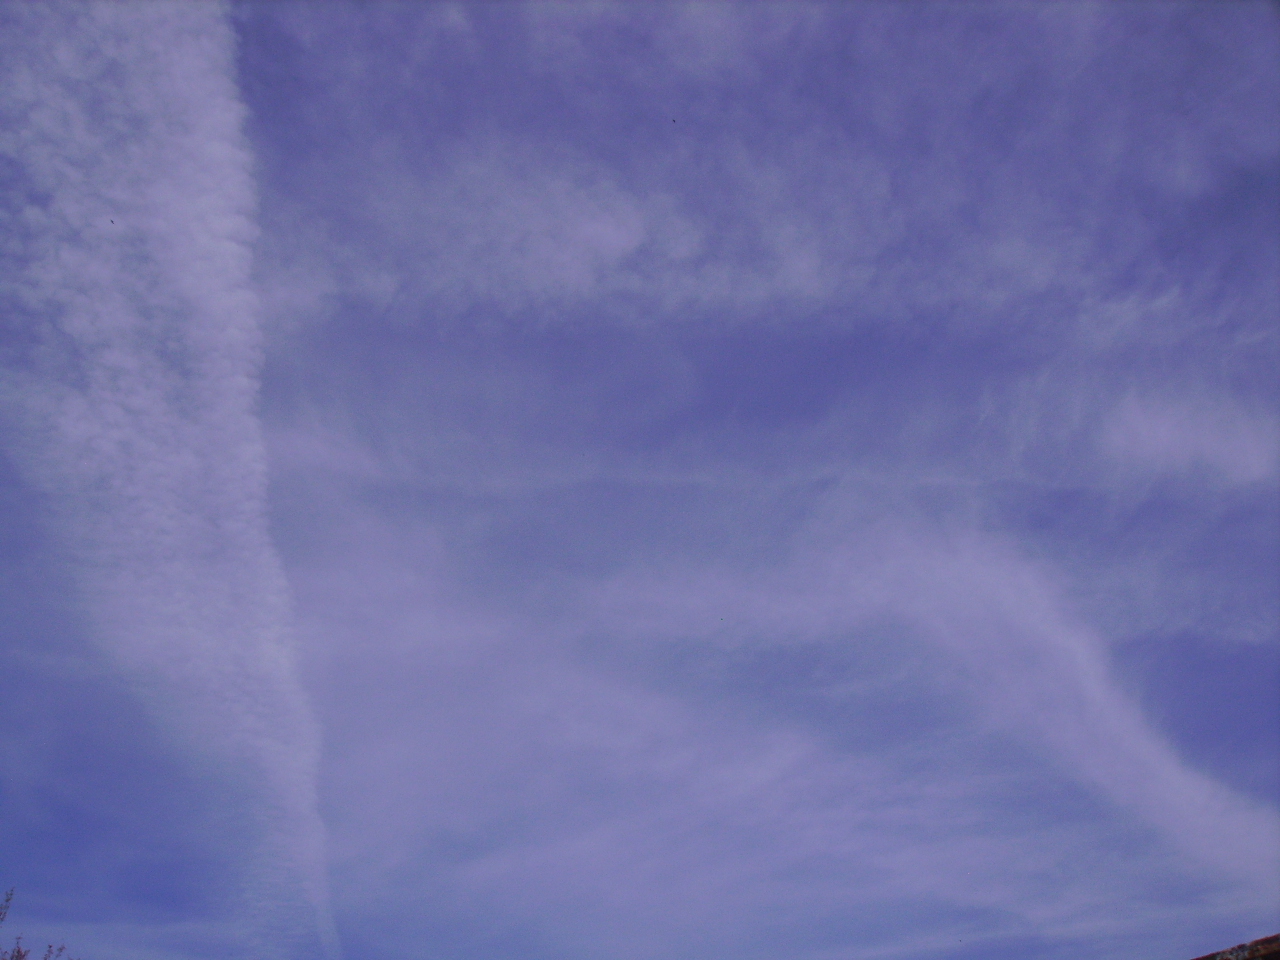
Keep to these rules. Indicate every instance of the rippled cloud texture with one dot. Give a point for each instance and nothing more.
(641, 482)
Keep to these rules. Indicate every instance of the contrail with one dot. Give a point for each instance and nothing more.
(130, 368)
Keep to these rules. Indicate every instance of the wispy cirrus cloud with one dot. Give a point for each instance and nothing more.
(753, 480)
(755, 199)
(1180, 435)
(701, 475)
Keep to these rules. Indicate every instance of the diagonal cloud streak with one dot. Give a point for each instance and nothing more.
(131, 358)
(1029, 668)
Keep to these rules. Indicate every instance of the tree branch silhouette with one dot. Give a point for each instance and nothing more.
(19, 952)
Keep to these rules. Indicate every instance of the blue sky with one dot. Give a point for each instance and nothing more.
(620, 482)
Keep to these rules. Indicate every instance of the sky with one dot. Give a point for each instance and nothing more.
(671, 481)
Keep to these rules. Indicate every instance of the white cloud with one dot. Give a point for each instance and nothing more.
(134, 410)
(657, 805)
(1161, 435)
(1018, 655)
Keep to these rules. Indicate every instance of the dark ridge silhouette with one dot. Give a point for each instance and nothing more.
(1268, 948)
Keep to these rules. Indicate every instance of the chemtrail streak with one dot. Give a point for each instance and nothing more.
(129, 397)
